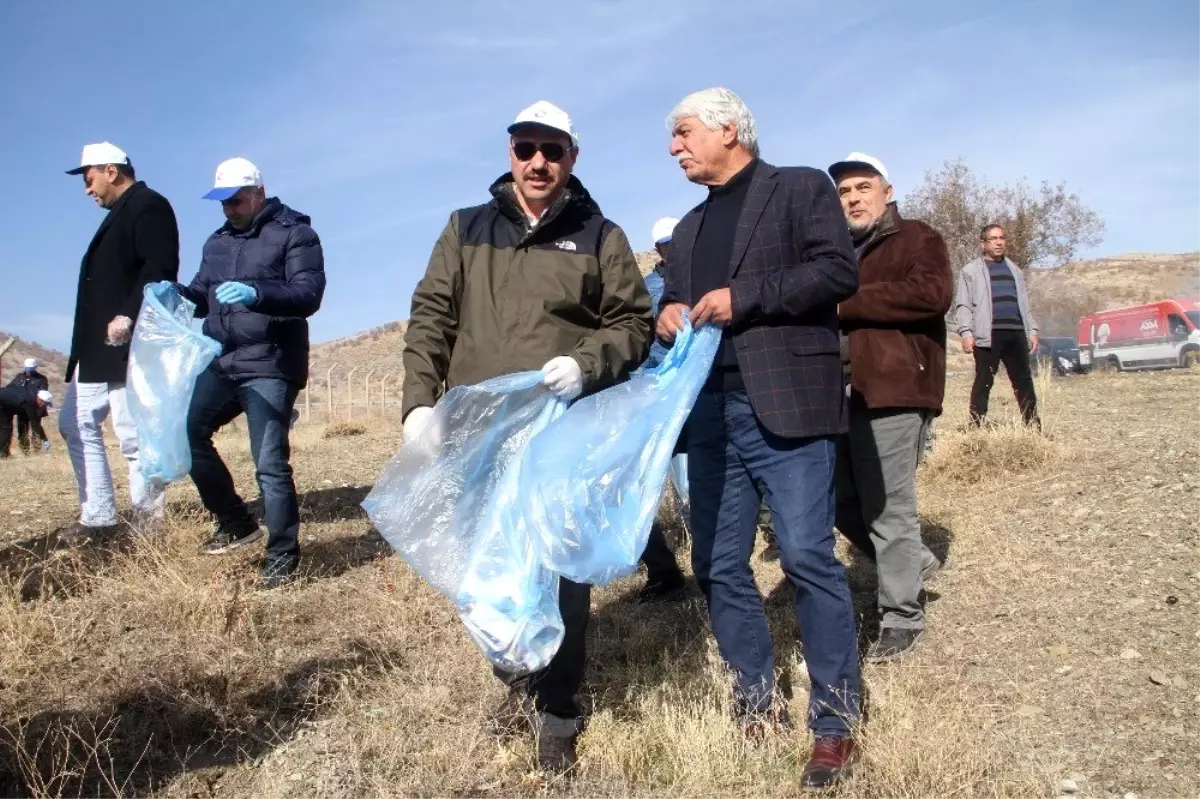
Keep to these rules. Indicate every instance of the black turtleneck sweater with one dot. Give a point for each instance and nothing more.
(710, 263)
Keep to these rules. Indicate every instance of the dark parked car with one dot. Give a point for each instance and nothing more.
(1060, 354)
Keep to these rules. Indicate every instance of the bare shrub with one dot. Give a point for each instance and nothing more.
(344, 429)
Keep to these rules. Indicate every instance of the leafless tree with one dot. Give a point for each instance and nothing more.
(1046, 226)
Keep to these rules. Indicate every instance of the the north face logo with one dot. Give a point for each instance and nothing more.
(566, 245)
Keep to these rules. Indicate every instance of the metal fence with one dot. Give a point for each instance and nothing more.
(351, 393)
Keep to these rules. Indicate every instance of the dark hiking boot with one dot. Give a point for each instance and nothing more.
(232, 535)
(662, 588)
(278, 572)
(893, 642)
(557, 742)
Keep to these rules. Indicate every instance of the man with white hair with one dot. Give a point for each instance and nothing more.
(897, 355)
(767, 256)
(137, 243)
(31, 381)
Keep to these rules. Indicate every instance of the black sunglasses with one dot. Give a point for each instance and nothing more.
(552, 151)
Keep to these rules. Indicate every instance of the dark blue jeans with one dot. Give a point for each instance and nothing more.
(733, 463)
(267, 403)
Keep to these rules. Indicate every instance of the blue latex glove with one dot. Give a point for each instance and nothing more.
(232, 293)
(45, 446)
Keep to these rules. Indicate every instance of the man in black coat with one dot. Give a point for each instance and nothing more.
(767, 256)
(261, 276)
(26, 407)
(31, 381)
(137, 243)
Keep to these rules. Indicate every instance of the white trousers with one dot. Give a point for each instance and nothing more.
(81, 422)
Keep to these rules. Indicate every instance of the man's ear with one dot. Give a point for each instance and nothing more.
(729, 134)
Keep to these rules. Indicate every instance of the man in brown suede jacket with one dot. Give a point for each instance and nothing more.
(897, 354)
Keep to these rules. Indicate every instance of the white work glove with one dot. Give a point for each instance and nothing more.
(563, 376)
(420, 425)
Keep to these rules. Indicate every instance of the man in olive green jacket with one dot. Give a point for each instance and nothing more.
(536, 279)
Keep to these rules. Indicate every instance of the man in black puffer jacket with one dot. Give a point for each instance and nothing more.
(261, 277)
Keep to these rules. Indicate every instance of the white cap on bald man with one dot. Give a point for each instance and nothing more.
(859, 161)
(31, 363)
(232, 176)
(662, 230)
(546, 115)
(46, 397)
(99, 154)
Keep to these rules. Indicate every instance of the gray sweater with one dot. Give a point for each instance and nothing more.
(973, 302)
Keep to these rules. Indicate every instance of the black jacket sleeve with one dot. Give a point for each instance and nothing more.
(156, 242)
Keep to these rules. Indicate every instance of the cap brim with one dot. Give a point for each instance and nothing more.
(514, 127)
(664, 240)
(844, 166)
(222, 194)
(79, 170)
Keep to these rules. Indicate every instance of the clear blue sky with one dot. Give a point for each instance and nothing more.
(379, 118)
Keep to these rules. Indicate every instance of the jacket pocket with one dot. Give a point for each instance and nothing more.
(912, 345)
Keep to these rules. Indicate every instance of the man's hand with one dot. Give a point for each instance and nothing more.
(968, 344)
(1033, 342)
(563, 376)
(234, 293)
(120, 330)
(670, 321)
(715, 307)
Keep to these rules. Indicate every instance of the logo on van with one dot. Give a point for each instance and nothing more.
(1149, 324)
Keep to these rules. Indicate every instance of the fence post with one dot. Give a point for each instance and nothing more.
(350, 393)
(367, 388)
(383, 392)
(329, 391)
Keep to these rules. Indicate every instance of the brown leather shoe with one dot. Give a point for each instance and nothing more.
(832, 761)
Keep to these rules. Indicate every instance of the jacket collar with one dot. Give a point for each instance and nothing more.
(116, 209)
(265, 215)
(504, 196)
(888, 224)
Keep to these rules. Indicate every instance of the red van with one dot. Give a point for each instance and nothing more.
(1157, 335)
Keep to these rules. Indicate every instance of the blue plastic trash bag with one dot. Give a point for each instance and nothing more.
(680, 481)
(446, 503)
(166, 356)
(592, 481)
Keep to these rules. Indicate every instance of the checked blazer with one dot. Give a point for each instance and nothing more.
(793, 262)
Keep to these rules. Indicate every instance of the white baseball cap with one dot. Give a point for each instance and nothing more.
(46, 397)
(858, 160)
(232, 175)
(100, 154)
(662, 230)
(31, 363)
(547, 115)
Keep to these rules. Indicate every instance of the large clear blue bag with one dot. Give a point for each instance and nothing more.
(447, 503)
(592, 480)
(166, 356)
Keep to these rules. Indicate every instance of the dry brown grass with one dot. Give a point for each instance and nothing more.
(149, 668)
(344, 429)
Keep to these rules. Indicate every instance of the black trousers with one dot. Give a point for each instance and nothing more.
(1011, 348)
(555, 689)
(661, 565)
